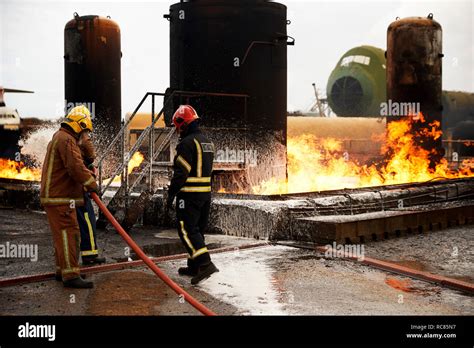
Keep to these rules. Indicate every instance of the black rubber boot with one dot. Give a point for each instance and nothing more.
(78, 283)
(190, 271)
(92, 260)
(187, 271)
(204, 272)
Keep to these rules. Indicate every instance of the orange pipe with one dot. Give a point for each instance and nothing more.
(191, 300)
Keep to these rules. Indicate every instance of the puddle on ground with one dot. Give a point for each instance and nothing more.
(245, 280)
(165, 249)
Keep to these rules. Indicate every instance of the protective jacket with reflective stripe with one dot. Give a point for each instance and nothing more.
(192, 166)
(87, 150)
(64, 174)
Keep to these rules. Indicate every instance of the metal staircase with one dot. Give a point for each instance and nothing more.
(118, 154)
(152, 141)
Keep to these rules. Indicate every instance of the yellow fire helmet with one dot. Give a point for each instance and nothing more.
(79, 119)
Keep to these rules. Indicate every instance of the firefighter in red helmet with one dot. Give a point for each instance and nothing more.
(191, 186)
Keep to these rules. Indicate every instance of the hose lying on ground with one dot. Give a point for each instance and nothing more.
(191, 300)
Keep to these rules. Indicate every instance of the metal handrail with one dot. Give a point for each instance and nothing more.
(124, 127)
(148, 131)
(149, 165)
(126, 159)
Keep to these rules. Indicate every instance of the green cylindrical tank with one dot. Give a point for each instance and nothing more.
(356, 86)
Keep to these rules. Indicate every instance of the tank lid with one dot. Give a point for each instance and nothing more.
(421, 21)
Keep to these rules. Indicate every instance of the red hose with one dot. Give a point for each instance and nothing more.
(192, 301)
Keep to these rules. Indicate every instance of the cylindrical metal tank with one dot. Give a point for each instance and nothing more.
(356, 86)
(92, 74)
(414, 61)
(234, 47)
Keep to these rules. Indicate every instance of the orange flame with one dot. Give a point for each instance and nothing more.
(320, 164)
(134, 162)
(17, 170)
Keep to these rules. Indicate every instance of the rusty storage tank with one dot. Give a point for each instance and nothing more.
(414, 62)
(92, 56)
(235, 47)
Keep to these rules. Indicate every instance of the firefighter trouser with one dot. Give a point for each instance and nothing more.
(193, 216)
(86, 220)
(66, 238)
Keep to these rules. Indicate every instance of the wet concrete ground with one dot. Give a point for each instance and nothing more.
(267, 280)
(448, 252)
(282, 280)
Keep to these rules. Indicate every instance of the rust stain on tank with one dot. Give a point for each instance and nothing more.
(414, 72)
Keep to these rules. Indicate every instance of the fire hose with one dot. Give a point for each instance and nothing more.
(168, 281)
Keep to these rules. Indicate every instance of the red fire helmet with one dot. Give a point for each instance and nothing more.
(184, 116)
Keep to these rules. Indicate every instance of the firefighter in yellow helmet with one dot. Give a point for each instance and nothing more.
(85, 214)
(64, 178)
(79, 119)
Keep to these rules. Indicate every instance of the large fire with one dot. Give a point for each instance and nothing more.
(316, 164)
(17, 170)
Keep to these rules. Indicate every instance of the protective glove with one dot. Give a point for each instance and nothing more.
(93, 188)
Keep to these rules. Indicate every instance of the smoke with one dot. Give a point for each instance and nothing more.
(35, 145)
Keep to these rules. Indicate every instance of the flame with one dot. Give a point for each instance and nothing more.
(134, 162)
(17, 170)
(321, 164)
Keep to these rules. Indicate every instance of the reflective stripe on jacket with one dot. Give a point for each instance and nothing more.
(193, 166)
(64, 174)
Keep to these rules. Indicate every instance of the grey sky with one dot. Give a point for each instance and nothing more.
(31, 45)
